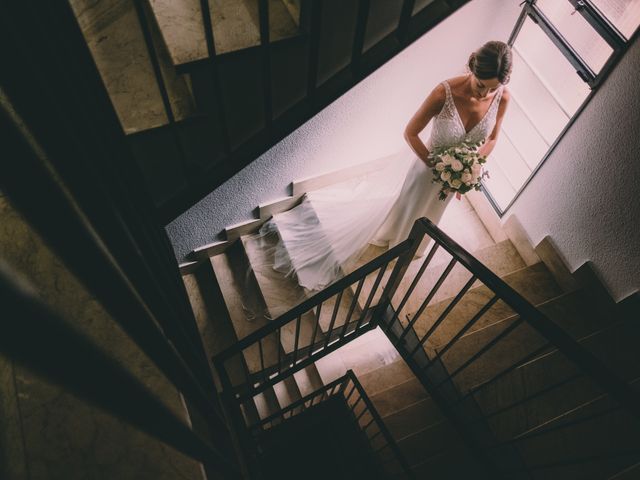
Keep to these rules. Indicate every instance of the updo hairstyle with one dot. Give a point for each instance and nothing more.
(492, 60)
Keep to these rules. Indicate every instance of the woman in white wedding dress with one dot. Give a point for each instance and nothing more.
(322, 237)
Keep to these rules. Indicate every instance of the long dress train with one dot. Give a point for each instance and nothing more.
(323, 236)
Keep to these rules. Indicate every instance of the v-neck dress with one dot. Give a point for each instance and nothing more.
(419, 196)
(322, 237)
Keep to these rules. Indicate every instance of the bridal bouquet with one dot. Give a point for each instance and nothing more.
(458, 168)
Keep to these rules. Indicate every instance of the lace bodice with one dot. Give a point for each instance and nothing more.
(448, 129)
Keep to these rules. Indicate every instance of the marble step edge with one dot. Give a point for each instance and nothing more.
(220, 270)
(405, 413)
(267, 209)
(439, 437)
(575, 411)
(254, 255)
(238, 303)
(482, 255)
(287, 391)
(481, 330)
(441, 304)
(583, 277)
(218, 318)
(627, 473)
(546, 354)
(275, 296)
(401, 384)
(235, 231)
(169, 18)
(267, 403)
(398, 377)
(501, 258)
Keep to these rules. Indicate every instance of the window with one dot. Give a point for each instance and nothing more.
(562, 50)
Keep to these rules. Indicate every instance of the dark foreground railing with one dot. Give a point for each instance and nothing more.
(311, 330)
(445, 298)
(364, 414)
(463, 331)
(39, 339)
(72, 178)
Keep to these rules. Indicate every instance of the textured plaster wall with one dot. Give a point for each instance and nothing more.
(365, 123)
(585, 196)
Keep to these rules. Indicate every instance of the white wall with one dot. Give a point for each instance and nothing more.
(365, 123)
(586, 195)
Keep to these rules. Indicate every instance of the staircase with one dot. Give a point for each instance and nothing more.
(204, 87)
(491, 396)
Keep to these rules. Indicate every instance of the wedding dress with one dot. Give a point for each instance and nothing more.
(320, 239)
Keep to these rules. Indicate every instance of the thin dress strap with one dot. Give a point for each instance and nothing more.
(448, 109)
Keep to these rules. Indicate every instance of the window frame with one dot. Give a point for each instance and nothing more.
(607, 31)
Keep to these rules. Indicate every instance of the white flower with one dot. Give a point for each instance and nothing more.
(456, 183)
(447, 159)
(468, 184)
(457, 150)
(457, 165)
(445, 176)
(466, 177)
(440, 166)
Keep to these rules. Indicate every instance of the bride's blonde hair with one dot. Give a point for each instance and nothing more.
(492, 60)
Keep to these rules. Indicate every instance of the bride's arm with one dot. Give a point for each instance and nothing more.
(492, 139)
(429, 109)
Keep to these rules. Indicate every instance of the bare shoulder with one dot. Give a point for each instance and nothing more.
(435, 100)
(456, 82)
(438, 94)
(504, 100)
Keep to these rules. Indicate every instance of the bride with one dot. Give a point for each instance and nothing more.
(322, 237)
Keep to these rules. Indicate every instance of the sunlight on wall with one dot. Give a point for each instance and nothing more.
(364, 124)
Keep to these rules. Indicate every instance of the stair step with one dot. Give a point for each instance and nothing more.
(613, 436)
(244, 304)
(281, 293)
(567, 311)
(412, 418)
(250, 412)
(502, 258)
(306, 265)
(544, 389)
(212, 317)
(435, 439)
(287, 392)
(454, 464)
(267, 403)
(369, 352)
(535, 283)
(630, 473)
(308, 380)
(114, 36)
(235, 24)
(330, 368)
(398, 397)
(385, 377)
